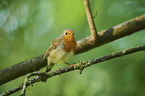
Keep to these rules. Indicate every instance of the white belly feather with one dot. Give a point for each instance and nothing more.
(58, 55)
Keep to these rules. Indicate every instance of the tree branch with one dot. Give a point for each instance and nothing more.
(124, 29)
(105, 36)
(90, 21)
(80, 66)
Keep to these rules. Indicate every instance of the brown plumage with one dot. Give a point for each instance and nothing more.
(61, 49)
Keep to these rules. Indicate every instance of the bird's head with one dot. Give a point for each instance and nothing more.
(68, 34)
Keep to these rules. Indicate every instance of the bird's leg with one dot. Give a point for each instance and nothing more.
(58, 69)
(48, 68)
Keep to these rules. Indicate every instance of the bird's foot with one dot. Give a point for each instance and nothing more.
(70, 64)
(59, 70)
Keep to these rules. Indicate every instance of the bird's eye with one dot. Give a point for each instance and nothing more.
(66, 33)
(73, 33)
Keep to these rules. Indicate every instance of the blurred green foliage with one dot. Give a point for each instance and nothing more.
(28, 26)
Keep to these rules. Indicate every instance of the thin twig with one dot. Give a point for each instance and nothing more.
(24, 86)
(90, 21)
(80, 66)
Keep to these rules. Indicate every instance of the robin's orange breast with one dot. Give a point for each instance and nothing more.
(69, 44)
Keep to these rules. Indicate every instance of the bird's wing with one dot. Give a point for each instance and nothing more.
(54, 45)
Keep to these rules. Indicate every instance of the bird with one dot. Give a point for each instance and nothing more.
(61, 50)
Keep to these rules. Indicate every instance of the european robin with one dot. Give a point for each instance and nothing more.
(61, 49)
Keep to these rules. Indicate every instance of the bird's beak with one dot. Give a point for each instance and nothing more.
(72, 35)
